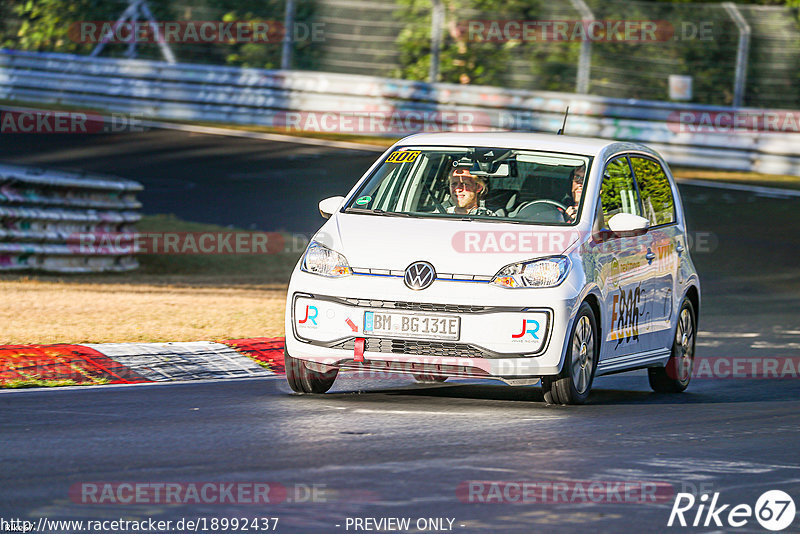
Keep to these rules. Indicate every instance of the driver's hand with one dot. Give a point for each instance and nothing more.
(571, 212)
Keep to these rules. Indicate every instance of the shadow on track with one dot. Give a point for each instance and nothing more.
(744, 391)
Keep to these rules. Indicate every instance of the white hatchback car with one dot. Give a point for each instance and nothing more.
(514, 256)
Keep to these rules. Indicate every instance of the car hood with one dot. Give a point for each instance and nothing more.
(451, 246)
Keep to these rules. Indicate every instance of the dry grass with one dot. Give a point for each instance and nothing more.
(78, 312)
(170, 298)
(740, 177)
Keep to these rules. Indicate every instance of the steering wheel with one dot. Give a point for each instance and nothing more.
(559, 205)
(562, 209)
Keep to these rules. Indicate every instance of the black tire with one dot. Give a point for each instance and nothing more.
(675, 376)
(303, 380)
(573, 384)
(429, 379)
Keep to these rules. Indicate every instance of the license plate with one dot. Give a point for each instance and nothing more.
(445, 327)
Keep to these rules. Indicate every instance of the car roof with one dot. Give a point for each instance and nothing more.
(524, 140)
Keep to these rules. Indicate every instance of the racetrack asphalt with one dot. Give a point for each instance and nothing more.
(393, 448)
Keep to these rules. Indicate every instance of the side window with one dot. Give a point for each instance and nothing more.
(618, 193)
(657, 200)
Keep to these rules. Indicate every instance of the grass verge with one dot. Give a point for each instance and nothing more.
(170, 298)
(47, 383)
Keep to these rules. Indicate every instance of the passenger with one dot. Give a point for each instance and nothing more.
(577, 177)
(466, 193)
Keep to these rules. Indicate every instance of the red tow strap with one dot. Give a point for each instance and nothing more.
(359, 350)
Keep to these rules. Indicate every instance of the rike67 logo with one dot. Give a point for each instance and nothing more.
(774, 510)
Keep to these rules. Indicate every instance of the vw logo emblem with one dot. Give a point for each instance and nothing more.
(419, 275)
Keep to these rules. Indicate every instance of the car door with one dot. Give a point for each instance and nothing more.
(625, 264)
(658, 205)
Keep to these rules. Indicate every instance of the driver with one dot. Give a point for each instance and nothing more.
(577, 177)
(466, 193)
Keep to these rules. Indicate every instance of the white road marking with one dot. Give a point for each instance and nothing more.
(768, 345)
(728, 334)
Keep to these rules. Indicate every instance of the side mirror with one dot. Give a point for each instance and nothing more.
(329, 205)
(626, 225)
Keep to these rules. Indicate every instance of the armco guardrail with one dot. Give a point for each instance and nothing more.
(43, 213)
(261, 97)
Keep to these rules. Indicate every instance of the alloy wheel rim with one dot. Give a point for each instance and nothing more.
(582, 354)
(684, 337)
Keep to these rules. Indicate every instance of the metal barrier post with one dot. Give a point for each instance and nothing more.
(288, 28)
(166, 51)
(742, 52)
(437, 22)
(132, 13)
(585, 60)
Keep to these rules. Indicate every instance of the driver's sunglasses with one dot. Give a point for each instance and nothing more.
(579, 179)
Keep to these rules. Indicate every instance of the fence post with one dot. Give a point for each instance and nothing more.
(585, 59)
(136, 9)
(742, 53)
(437, 22)
(288, 29)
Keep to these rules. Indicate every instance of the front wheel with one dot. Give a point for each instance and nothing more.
(303, 380)
(675, 376)
(573, 383)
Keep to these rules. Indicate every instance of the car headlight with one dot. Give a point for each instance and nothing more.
(547, 272)
(323, 261)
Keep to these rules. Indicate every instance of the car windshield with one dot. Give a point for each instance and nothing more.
(497, 184)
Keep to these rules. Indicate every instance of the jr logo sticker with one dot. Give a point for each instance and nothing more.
(402, 156)
(529, 326)
(308, 317)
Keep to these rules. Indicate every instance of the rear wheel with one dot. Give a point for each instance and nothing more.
(675, 376)
(573, 383)
(303, 380)
(429, 379)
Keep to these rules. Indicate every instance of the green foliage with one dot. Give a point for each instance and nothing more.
(617, 183)
(655, 191)
(50, 25)
(44, 25)
(463, 60)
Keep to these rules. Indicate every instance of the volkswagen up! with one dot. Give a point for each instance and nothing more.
(511, 256)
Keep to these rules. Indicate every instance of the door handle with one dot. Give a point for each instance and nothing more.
(679, 249)
(650, 256)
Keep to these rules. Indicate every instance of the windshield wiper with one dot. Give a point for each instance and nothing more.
(377, 211)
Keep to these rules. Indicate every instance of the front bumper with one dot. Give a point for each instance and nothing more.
(325, 317)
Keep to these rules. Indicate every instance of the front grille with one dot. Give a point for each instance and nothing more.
(413, 306)
(411, 346)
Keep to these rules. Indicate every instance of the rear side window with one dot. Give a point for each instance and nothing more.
(618, 192)
(657, 201)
